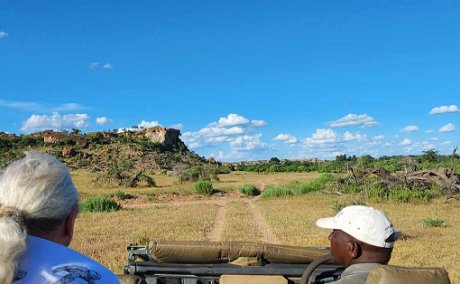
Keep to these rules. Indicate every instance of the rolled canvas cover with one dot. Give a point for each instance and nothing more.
(222, 252)
(382, 274)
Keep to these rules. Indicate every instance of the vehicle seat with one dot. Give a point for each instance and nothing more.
(252, 279)
(382, 274)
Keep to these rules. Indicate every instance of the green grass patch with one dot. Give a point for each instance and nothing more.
(204, 187)
(249, 190)
(434, 223)
(99, 204)
(405, 194)
(278, 191)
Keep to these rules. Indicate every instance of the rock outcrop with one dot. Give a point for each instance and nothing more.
(166, 136)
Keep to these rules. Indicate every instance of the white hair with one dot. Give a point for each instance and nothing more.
(36, 194)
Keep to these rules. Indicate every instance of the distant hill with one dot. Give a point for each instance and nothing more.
(150, 149)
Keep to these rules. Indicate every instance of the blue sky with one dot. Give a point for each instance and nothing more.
(242, 80)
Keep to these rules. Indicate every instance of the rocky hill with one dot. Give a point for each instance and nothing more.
(151, 149)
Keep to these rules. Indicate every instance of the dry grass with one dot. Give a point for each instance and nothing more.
(293, 222)
(292, 219)
(168, 185)
(237, 179)
(105, 236)
(239, 224)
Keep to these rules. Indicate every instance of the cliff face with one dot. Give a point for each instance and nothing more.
(161, 135)
(166, 136)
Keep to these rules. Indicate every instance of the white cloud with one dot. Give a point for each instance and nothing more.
(410, 128)
(177, 126)
(148, 124)
(446, 143)
(214, 131)
(93, 65)
(418, 147)
(247, 143)
(219, 139)
(258, 123)
(378, 138)
(55, 122)
(103, 120)
(450, 127)
(348, 136)
(444, 109)
(322, 136)
(286, 138)
(233, 120)
(406, 142)
(194, 145)
(108, 66)
(429, 131)
(3, 34)
(351, 119)
(41, 107)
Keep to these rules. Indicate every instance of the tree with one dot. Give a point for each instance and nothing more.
(431, 155)
(274, 160)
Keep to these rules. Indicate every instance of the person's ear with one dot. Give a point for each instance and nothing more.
(354, 249)
(69, 223)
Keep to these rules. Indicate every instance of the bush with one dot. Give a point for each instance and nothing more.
(204, 187)
(404, 194)
(99, 203)
(320, 183)
(249, 190)
(277, 192)
(435, 223)
(122, 195)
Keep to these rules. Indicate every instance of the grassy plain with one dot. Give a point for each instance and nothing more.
(104, 236)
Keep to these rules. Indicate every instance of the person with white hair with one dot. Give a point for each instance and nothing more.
(362, 237)
(38, 207)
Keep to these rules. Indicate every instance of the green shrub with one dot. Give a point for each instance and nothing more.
(277, 192)
(122, 195)
(435, 223)
(249, 190)
(99, 203)
(404, 194)
(204, 187)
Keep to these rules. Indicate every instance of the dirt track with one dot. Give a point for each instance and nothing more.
(215, 234)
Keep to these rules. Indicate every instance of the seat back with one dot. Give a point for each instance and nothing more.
(382, 274)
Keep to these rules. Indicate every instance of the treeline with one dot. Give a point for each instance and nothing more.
(429, 159)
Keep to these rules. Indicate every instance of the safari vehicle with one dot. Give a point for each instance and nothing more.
(180, 262)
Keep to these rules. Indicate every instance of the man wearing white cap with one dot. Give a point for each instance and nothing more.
(361, 238)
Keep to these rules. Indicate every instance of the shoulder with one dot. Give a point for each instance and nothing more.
(48, 261)
(356, 273)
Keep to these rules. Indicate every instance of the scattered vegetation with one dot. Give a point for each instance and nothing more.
(204, 187)
(277, 191)
(249, 190)
(434, 222)
(196, 173)
(122, 195)
(122, 174)
(99, 203)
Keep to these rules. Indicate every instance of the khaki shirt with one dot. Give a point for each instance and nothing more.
(355, 274)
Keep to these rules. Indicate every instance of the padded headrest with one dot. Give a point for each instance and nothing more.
(222, 252)
(383, 274)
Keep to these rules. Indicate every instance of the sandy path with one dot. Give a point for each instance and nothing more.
(262, 227)
(218, 224)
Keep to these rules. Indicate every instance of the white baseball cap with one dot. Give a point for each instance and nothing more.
(365, 224)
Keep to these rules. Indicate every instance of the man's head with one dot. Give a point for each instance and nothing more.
(360, 234)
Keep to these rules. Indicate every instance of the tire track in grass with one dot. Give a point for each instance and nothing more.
(262, 226)
(218, 224)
